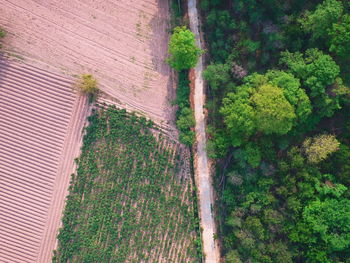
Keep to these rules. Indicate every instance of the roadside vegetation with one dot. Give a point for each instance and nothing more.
(278, 103)
(184, 55)
(131, 199)
(2, 35)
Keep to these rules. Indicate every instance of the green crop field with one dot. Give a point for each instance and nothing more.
(131, 199)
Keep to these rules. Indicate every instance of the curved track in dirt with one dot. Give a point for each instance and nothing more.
(202, 171)
(41, 125)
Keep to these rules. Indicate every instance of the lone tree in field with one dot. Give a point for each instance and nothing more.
(88, 84)
(183, 51)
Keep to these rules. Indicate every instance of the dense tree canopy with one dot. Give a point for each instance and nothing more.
(340, 37)
(278, 84)
(271, 104)
(318, 72)
(319, 21)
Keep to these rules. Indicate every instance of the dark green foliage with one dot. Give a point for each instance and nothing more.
(277, 206)
(2, 34)
(340, 38)
(126, 196)
(184, 116)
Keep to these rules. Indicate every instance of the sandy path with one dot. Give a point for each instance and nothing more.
(40, 122)
(122, 43)
(202, 171)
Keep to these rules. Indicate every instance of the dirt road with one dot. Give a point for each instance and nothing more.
(202, 172)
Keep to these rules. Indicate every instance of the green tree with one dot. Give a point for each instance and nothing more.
(321, 20)
(183, 51)
(271, 104)
(318, 148)
(340, 37)
(274, 114)
(233, 257)
(217, 75)
(330, 221)
(319, 74)
(184, 123)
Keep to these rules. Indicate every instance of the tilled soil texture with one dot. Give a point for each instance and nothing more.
(41, 125)
(122, 43)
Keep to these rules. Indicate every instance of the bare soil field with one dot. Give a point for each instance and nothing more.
(41, 125)
(122, 43)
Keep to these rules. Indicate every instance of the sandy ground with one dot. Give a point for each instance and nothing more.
(202, 171)
(41, 125)
(122, 43)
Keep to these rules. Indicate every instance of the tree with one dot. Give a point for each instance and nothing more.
(321, 20)
(318, 148)
(340, 37)
(271, 104)
(88, 84)
(319, 74)
(184, 123)
(217, 75)
(183, 51)
(330, 221)
(274, 114)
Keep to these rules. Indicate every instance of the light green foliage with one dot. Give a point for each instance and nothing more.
(292, 91)
(319, 147)
(239, 116)
(274, 114)
(126, 202)
(322, 18)
(318, 73)
(88, 84)
(316, 69)
(329, 221)
(272, 104)
(183, 51)
(217, 75)
(184, 123)
(340, 37)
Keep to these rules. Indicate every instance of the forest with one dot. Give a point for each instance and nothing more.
(279, 105)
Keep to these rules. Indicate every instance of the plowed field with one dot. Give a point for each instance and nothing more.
(41, 120)
(122, 43)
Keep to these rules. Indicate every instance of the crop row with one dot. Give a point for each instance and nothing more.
(127, 201)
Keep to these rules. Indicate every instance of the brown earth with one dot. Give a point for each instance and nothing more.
(122, 43)
(41, 125)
